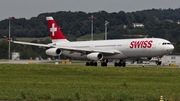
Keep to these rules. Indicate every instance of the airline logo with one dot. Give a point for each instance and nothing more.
(141, 44)
(55, 32)
(53, 29)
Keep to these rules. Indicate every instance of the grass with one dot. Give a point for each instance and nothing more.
(73, 83)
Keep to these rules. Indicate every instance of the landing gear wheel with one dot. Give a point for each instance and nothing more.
(91, 63)
(120, 63)
(95, 63)
(124, 64)
(103, 64)
(87, 64)
(158, 62)
(116, 64)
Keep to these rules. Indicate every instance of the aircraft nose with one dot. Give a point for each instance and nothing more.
(170, 48)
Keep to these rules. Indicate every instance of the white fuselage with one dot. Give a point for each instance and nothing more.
(128, 48)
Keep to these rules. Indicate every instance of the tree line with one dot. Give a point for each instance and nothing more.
(160, 23)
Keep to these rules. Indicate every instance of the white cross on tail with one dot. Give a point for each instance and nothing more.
(53, 29)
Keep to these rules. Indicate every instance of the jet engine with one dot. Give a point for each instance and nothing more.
(53, 51)
(95, 56)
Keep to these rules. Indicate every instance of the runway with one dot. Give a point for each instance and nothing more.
(82, 63)
(24, 61)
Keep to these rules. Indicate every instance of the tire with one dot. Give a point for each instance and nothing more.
(124, 64)
(103, 64)
(120, 64)
(87, 64)
(95, 64)
(115, 64)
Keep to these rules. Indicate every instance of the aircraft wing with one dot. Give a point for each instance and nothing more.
(32, 44)
(73, 49)
(111, 51)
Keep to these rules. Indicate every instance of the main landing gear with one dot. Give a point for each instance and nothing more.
(120, 63)
(105, 62)
(92, 63)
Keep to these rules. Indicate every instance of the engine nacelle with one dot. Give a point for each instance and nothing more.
(53, 51)
(95, 56)
(145, 58)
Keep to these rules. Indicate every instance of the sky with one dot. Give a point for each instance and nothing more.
(32, 8)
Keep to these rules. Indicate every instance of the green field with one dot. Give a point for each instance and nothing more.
(74, 83)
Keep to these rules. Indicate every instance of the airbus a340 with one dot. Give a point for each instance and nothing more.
(102, 50)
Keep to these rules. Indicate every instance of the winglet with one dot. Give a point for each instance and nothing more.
(7, 38)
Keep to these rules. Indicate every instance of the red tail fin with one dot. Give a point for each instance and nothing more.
(54, 30)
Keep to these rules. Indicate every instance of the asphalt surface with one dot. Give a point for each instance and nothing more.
(23, 61)
(74, 63)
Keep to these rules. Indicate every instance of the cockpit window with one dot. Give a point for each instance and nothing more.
(166, 43)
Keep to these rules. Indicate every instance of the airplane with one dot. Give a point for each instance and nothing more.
(102, 50)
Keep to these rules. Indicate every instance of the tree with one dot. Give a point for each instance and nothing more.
(4, 49)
